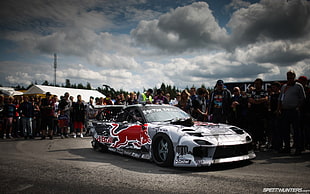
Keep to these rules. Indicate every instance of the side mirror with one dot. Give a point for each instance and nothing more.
(142, 125)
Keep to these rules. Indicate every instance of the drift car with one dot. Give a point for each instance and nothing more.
(168, 136)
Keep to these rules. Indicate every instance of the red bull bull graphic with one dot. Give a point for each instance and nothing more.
(135, 134)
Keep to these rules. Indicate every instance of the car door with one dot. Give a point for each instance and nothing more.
(130, 131)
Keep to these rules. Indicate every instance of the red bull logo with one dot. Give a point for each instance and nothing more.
(135, 134)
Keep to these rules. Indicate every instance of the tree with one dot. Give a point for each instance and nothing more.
(45, 83)
(80, 86)
(88, 86)
(163, 87)
(68, 84)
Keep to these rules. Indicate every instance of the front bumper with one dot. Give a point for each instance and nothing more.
(206, 155)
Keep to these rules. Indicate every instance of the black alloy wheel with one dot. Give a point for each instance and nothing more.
(163, 154)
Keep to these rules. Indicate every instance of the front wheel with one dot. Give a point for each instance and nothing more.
(162, 150)
(99, 147)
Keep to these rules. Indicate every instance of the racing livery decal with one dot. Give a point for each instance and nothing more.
(135, 134)
(103, 139)
(168, 136)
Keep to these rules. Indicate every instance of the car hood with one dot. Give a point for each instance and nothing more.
(210, 129)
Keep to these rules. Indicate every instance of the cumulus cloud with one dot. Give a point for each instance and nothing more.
(113, 61)
(282, 53)
(184, 46)
(19, 77)
(182, 29)
(271, 20)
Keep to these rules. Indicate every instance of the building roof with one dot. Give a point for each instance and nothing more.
(9, 91)
(60, 91)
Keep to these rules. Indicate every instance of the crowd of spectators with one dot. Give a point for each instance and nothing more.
(274, 116)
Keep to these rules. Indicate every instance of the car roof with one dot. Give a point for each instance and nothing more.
(108, 106)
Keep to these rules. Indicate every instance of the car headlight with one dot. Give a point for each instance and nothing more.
(202, 142)
(195, 134)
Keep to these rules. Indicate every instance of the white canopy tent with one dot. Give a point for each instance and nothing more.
(9, 91)
(60, 91)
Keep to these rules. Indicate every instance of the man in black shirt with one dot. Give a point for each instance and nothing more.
(199, 105)
(258, 100)
(220, 102)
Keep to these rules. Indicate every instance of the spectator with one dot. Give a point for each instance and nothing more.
(220, 103)
(99, 101)
(160, 98)
(64, 106)
(9, 112)
(56, 112)
(237, 106)
(16, 129)
(107, 100)
(36, 121)
(90, 112)
(90, 104)
(243, 105)
(1, 115)
(291, 99)
(132, 99)
(78, 116)
(258, 101)
(120, 99)
(146, 97)
(168, 97)
(174, 102)
(305, 112)
(199, 105)
(47, 115)
(274, 120)
(258, 108)
(184, 101)
(27, 113)
(71, 98)
(63, 123)
(193, 94)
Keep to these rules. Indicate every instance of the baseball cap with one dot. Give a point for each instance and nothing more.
(302, 78)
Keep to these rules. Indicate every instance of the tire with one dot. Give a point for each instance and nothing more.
(95, 145)
(99, 147)
(162, 150)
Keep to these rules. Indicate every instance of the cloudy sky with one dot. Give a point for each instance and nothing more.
(137, 44)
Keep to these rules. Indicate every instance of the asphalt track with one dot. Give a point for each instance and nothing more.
(71, 166)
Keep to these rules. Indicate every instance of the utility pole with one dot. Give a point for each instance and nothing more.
(55, 67)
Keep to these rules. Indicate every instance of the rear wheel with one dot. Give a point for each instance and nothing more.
(162, 150)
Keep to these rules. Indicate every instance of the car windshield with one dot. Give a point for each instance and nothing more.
(163, 113)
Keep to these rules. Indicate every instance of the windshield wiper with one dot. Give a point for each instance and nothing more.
(169, 120)
(188, 122)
